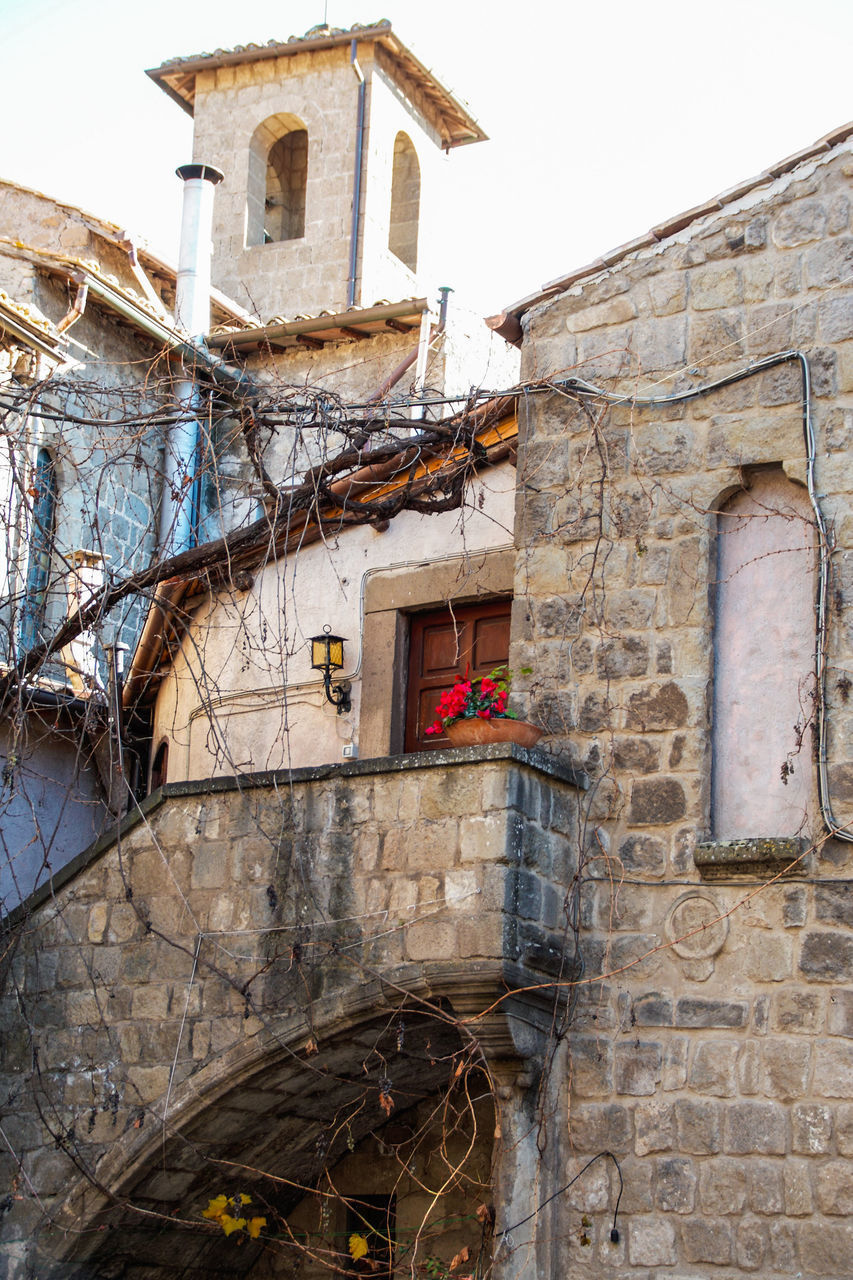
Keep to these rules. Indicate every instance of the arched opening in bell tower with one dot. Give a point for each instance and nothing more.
(405, 202)
(278, 177)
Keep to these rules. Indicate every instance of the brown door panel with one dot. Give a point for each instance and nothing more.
(443, 646)
(440, 652)
(490, 647)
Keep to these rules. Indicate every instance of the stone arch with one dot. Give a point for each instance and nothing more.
(277, 180)
(761, 778)
(268, 1122)
(405, 202)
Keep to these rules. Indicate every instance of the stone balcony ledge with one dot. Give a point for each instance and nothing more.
(542, 763)
(258, 939)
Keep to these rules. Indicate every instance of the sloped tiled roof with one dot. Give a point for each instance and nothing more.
(223, 309)
(445, 112)
(22, 324)
(508, 322)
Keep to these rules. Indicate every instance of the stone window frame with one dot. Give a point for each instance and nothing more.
(41, 537)
(756, 857)
(390, 596)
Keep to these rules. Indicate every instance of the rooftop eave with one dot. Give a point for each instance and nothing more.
(451, 119)
(508, 322)
(20, 328)
(367, 322)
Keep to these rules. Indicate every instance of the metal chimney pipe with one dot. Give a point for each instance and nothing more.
(192, 288)
(180, 505)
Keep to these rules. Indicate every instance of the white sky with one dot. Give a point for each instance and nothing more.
(603, 118)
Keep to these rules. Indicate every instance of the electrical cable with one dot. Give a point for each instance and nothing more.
(602, 1155)
(580, 387)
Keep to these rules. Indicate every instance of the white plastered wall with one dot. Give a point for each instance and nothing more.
(382, 274)
(242, 697)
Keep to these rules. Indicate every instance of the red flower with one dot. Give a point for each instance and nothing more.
(484, 698)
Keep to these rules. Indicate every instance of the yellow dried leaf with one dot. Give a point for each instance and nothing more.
(230, 1224)
(244, 1199)
(357, 1247)
(254, 1227)
(216, 1208)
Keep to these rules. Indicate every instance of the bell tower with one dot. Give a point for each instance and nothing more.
(331, 146)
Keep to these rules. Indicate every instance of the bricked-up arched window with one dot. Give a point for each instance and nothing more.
(41, 534)
(278, 176)
(764, 660)
(405, 202)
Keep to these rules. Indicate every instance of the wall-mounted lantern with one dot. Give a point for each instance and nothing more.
(327, 655)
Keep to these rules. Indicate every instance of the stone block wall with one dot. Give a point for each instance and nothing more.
(318, 88)
(711, 1047)
(233, 948)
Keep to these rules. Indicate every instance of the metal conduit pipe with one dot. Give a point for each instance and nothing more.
(359, 166)
(180, 503)
(790, 356)
(394, 377)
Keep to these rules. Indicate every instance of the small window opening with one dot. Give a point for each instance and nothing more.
(287, 172)
(405, 202)
(374, 1218)
(277, 182)
(160, 767)
(41, 547)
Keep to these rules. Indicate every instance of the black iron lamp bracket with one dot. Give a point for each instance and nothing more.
(338, 694)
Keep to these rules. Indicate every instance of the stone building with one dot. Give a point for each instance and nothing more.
(98, 314)
(488, 1010)
(84, 322)
(331, 149)
(359, 349)
(683, 538)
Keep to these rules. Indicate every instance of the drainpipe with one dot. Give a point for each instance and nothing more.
(179, 511)
(424, 343)
(445, 290)
(141, 278)
(77, 307)
(359, 165)
(393, 378)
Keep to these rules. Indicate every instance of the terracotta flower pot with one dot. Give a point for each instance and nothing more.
(477, 733)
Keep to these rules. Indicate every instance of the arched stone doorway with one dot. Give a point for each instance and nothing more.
(394, 1109)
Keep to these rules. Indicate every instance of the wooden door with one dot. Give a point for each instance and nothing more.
(442, 646)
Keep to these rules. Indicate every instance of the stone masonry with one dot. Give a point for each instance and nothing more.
(220, 976)
(712, 1043)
